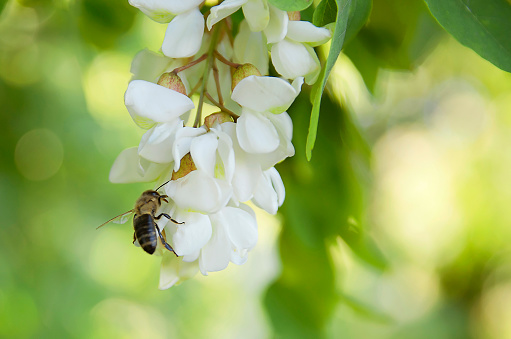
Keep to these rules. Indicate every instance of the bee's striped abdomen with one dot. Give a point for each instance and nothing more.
(145, 232)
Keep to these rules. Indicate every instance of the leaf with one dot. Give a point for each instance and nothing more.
(335, 49)
(359, 13)
(291, 5)
(325, 13)
(395, 37)
(482, 25)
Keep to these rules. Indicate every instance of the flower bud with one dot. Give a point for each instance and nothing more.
(294, 16)
(187, 166)
(172, 81)
(242, 72)
(219, 117)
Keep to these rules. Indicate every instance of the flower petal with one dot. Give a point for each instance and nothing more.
(284, 126)
(270, 192)
(193, 234)
(203, 151)
(126, 168)
(199, 192)
(156, 144)
(149, 103)
(175, 270)
(182, 143)
(263, 94)
(241, 226)
(256, 133)
(304, 31)
(216, 253)
(292, 59)
(164, 10)
(257, 14)
(183, 37)
(247, 171)
(148, 65)
(277, 27)
(250, 47)
(223, 10)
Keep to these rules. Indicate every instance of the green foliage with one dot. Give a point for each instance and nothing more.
(325, 13)
(291, 5)
(324, 201)
(102, 22)
(482, 25)
(398, 35)
(335, 49)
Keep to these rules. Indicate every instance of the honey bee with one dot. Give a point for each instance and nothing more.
(144, 224)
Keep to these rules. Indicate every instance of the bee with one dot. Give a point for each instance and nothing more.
(146, 231)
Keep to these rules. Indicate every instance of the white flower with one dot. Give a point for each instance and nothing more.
(149, 103)
(270, 192)
(294, 56)
(257, 13)
(250, 47)
(183, 37)
(129, 167)
(262, 127)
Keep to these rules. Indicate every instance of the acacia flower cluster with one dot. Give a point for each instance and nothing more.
(218, 163)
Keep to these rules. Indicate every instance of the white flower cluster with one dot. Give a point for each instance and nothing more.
(218, 163)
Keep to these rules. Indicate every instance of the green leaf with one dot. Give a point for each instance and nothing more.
(395, 37)
(335, 49)
(325, 13)
(291, 5)
(359, 13)
(482, 25)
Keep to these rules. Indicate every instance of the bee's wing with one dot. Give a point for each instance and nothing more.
(120, 219)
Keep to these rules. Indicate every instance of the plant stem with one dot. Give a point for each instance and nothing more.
(193, 63)
(222, 107)
(221, 58)
(205, 77)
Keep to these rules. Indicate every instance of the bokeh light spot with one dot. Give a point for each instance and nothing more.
(39, 154)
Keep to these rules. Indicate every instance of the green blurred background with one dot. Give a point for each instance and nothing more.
(398, 228)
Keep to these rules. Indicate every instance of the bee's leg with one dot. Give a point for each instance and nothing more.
(168, 217)
(164, 242)
(134, 237)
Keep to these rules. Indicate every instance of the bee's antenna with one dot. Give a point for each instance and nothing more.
(162, 185)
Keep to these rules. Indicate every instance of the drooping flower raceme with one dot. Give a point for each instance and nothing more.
(212, 167)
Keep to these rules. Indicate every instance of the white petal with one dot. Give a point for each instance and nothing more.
(182, 143)
(149, 103)
(278, 184)
(175, 270)
(257, 14)
(223, 10)
(183, 37)
(270, 192)
(156, 144)
(164, 10)
(199, 192)
(256, 133)
(277, 27)
(284, 126)
(225, 169)
(241, 227)
(203, 152)
(216, 253)
(148, 65)
(126, 168)
(292, 59)
(247, 168)
(304, 31)
(263, 94)
(313, 76)
(193, 234)
(250, 47)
